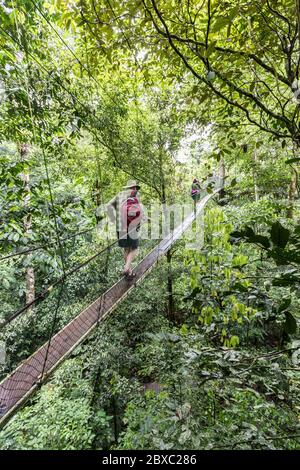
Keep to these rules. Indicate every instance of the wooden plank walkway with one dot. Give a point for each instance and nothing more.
(26, 378)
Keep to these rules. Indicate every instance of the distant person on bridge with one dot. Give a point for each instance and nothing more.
(128, 216)
(196, 190)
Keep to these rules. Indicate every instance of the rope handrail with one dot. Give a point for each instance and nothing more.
(42, 247)
(42, 295)
(48, 289)
(27, 377)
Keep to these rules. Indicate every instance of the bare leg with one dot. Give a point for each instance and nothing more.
(126, 251)
(130, 257)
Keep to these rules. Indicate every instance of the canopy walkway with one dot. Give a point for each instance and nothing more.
(27, 377)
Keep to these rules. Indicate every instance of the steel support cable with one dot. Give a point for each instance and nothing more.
(74, 97)
(49, 289)
(125, 37)
(59, 82)
(87, 68)
(53, 210)
(42, 247)
(77, 58)
(52, 207)
(52, 327)
(42, 294)
(44, 156)
(23, 381)
(73, 53)
(46, 291)
(131, 48)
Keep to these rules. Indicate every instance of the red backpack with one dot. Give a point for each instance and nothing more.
(132, 209)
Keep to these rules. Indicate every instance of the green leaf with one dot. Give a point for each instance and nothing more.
(264, 241)
(249, 232)
(290, 325)
(284, 281)
(293, 160)
(279, 235)
(234, 341)
(236, 234)
(285, 304)
(210, 48)
(5, 283)
(220, 23)
(238, 286)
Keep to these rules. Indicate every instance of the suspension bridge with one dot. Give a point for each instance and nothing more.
(22, 382)
(61, 339)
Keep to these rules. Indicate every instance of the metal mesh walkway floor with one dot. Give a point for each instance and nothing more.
(26, 378)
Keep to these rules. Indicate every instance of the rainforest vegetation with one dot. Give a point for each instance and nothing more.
(204, 353)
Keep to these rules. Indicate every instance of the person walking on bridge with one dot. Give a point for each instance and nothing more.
(126, 211)
(196, 190)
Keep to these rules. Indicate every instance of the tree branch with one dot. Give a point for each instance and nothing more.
(208, 83)
(252, 56)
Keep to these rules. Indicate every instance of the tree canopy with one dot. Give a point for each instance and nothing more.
(204, 353)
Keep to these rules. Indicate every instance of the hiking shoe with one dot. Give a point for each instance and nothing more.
(129, 276)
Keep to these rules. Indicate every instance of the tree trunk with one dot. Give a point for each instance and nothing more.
(98, 189)
(162, 177)
(292, 195)
(254, 174)
(116, 424)
(171, 310)
(222, 179)
(163, 200)
(30, 275)
(98, 200)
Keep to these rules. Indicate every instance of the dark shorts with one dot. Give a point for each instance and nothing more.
(127, 241)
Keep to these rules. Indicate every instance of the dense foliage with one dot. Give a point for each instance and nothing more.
(204, 354)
